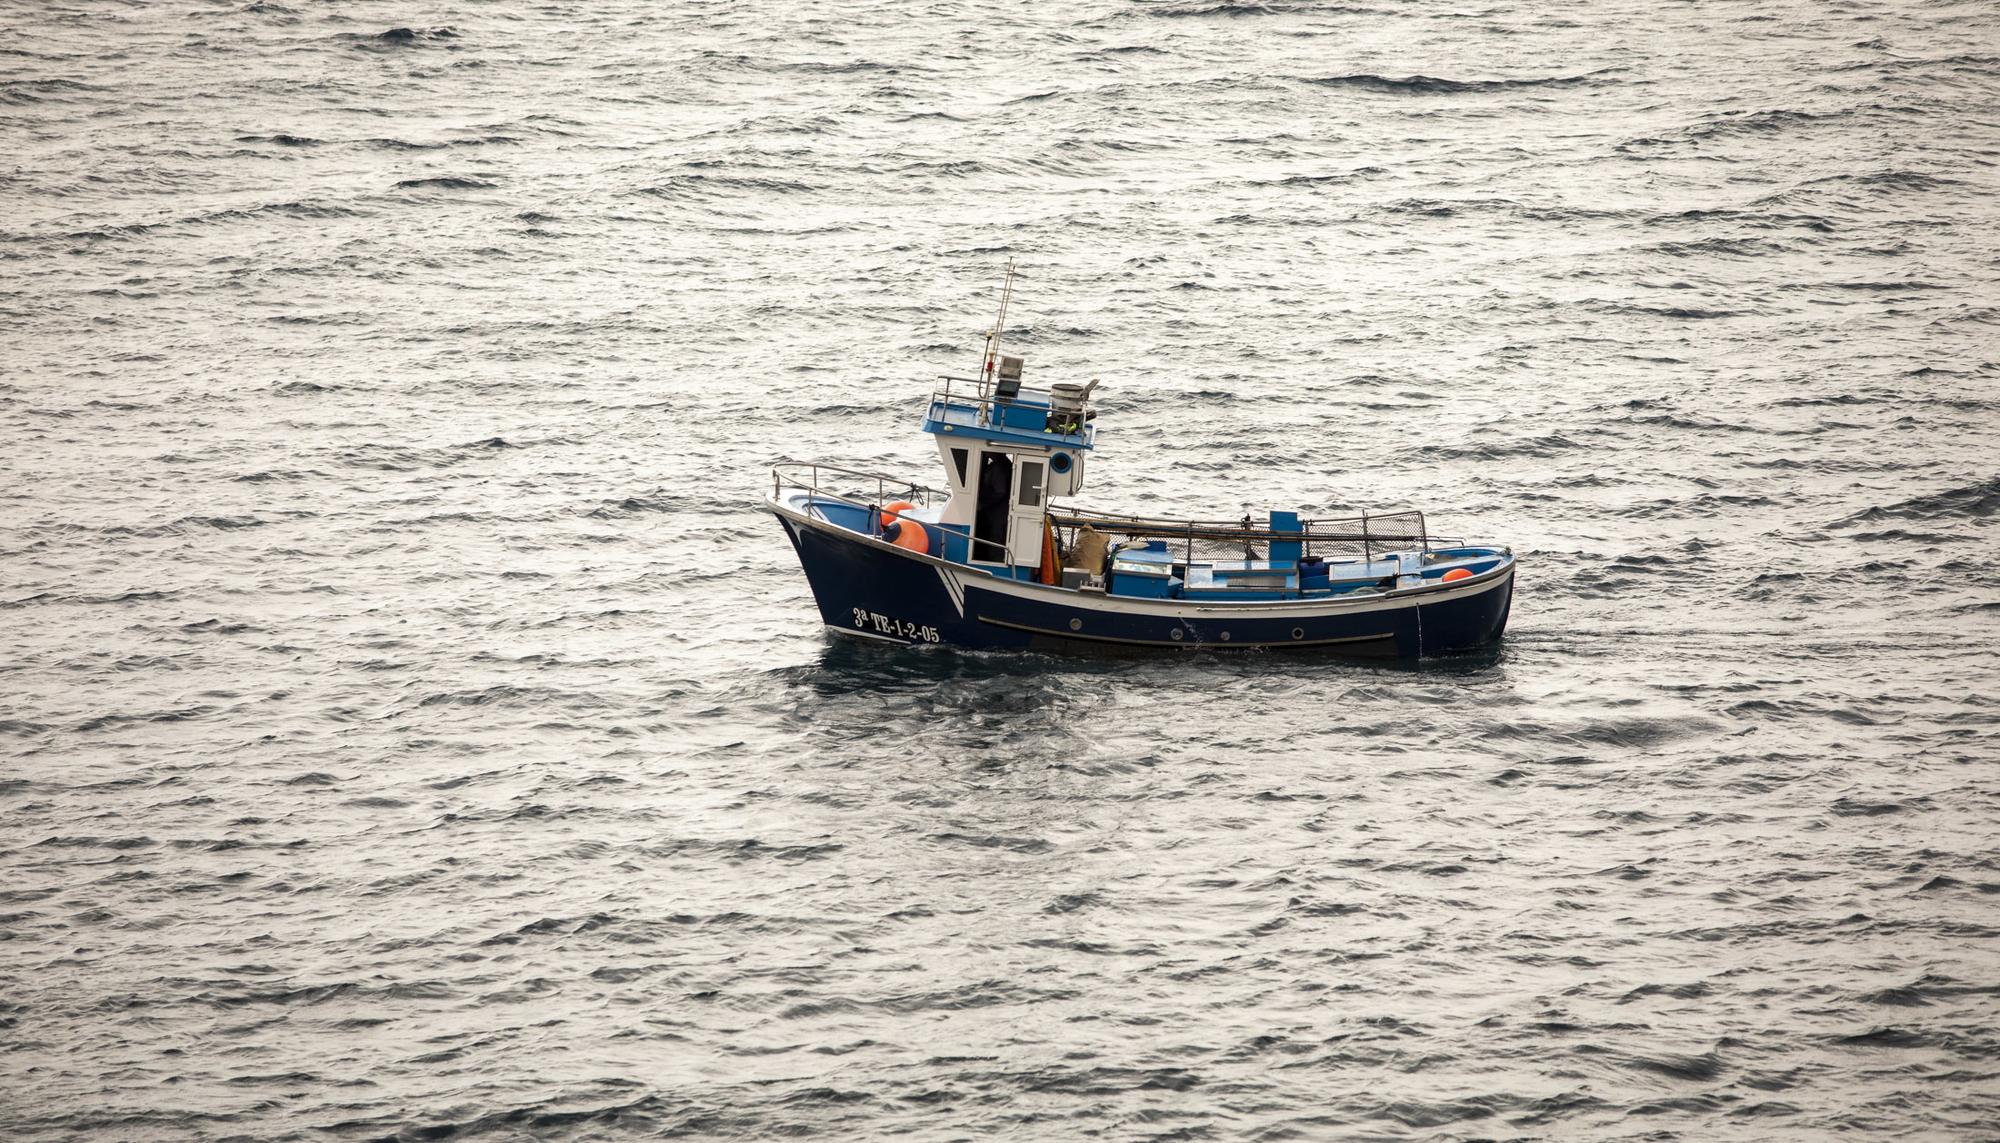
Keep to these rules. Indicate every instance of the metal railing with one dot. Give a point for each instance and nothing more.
(809, 476)
(1333, 538)
(983, 399)
(1328, 538)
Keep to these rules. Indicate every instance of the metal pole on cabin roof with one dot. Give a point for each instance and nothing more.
(988, 373)
(1000, 326)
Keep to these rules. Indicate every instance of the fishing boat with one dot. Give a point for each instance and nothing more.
(997, 558)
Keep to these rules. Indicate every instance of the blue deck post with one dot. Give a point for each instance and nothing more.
(1285, 551)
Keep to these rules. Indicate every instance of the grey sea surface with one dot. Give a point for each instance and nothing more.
(411, 728)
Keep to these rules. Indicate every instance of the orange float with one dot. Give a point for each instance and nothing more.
(911, 535)
(1457, 574)
(890, 510)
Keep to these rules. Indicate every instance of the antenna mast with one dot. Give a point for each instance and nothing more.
(993, 338)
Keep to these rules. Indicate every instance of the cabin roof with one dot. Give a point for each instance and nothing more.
(1022, 419)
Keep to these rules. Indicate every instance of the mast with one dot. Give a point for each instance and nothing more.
(992, 361)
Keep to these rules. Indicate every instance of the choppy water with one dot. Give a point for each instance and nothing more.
(411, 727)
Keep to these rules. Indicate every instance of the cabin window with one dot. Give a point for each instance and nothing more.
(958, 459)
(1031, 484)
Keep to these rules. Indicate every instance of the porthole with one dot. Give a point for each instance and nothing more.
(1298, 632)
(1225, 636)
(1177, 634)
(1076, 625)
(1059, 463)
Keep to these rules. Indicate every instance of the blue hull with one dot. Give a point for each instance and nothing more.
(874, 590)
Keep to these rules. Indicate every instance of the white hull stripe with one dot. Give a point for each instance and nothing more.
(1185, 610)
(953, 589)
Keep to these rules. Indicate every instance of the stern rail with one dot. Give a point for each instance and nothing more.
(1390, 531)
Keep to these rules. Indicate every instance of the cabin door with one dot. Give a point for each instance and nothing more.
(1031, 490)
(992, 508)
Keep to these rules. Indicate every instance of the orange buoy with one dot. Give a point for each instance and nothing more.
(1457, 574)
(910, 534)
(889, 511)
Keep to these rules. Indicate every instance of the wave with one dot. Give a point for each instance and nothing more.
(1761, 219)
(1886, 1037)
(1891, 180)
(399, 37)
(386, 143)
(1211, 10)
(445, 182)
(1967, 502)
(21, 92)
(1539, 447)
(1232, 9)
(1433, 85)
(1718, 248)
(640, 505)
(117, 232)
(281, 140)
(681, 186)
(1756, 123)
(1692, 313)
